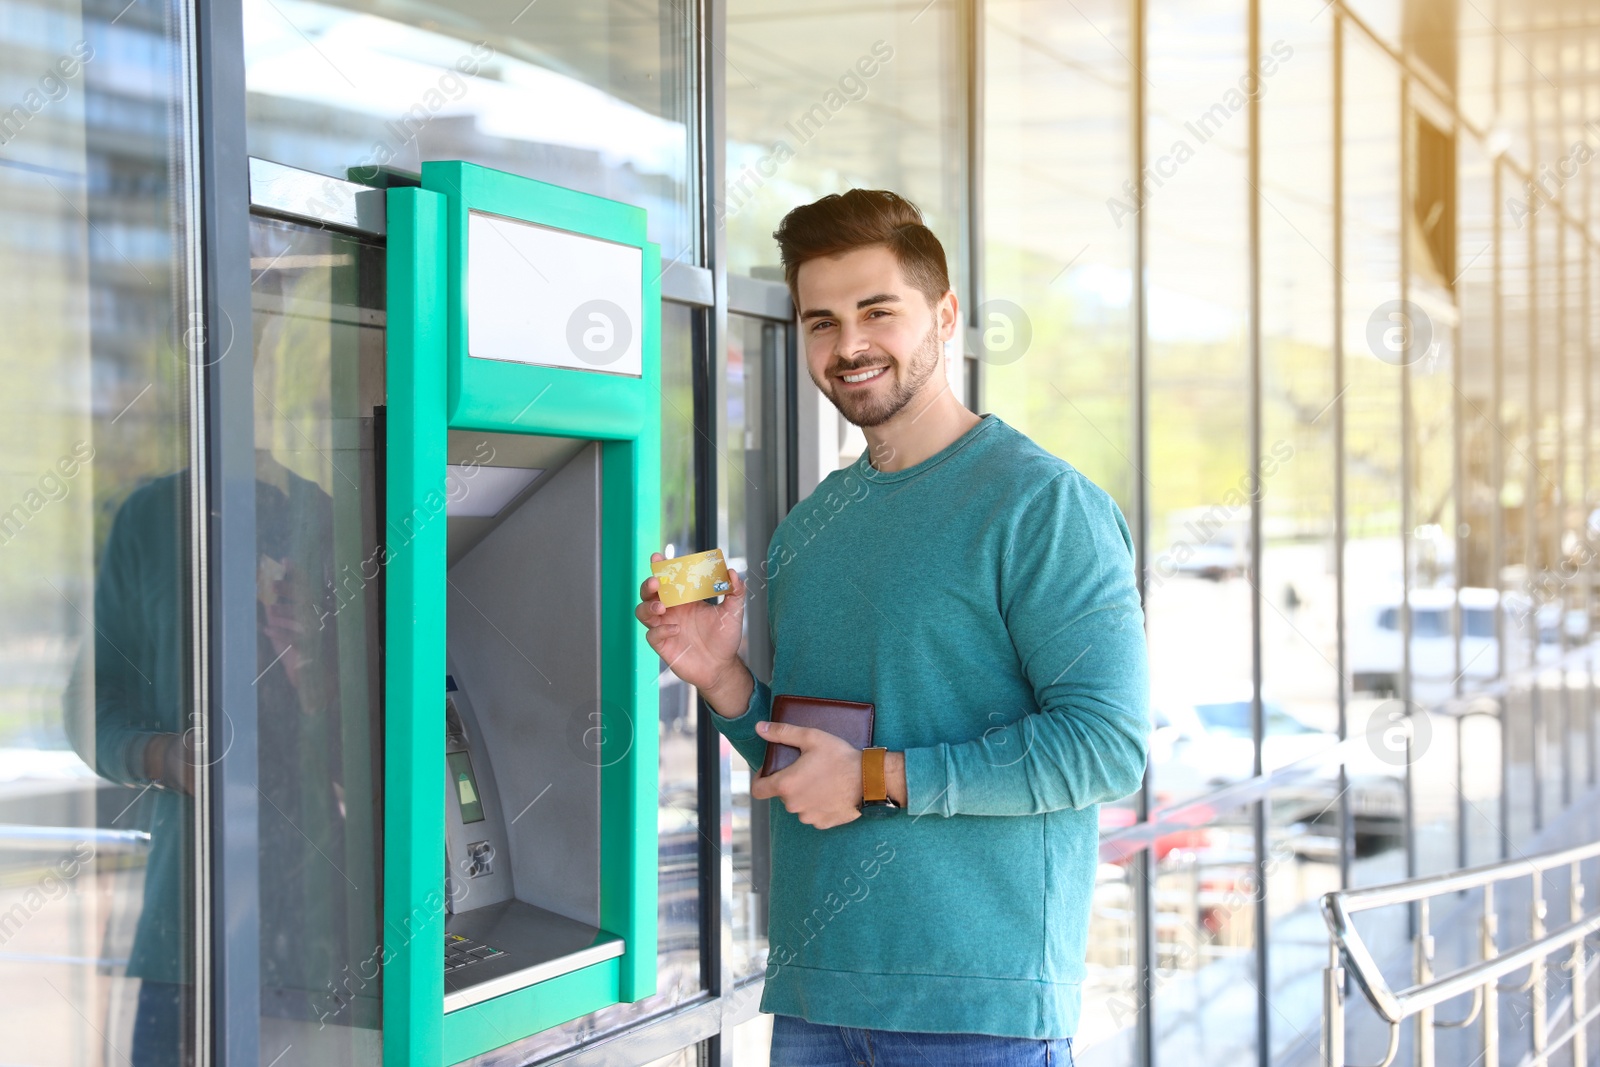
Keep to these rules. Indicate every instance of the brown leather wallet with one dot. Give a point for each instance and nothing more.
(842, 718)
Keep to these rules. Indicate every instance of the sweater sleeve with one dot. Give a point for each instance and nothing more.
(1070, 603)
(104, 723)
(741, 730)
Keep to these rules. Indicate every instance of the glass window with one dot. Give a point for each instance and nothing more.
(1439, 664)
(1591, 570)
(679, 973)
(821, 100)
(1382, 17)
(1195, 202)
(1429, 369)
(1302, 863)
(1479, 622)
(756, 498)
(319, 388)
(594, 96)
(1108, 1032)
(1514, 432)
(1481, 445)
(1480, 739)
(1429, 623)
(1478, 39)
(1375, 338)
(1195, 197)
(1205, 994)
(1058, 222)
(98, 726)
(1436, 793)
(1517, 739)
(1231, 719)
(1299, 589)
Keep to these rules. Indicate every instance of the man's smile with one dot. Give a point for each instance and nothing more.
(860, 376)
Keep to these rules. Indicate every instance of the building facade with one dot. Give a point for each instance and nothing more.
(1312, 288)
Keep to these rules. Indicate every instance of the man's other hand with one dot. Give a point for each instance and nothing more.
(823, 785)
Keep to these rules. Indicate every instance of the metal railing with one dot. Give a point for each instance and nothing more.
(1479, 980)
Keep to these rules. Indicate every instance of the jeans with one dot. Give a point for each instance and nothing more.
(797, 1043)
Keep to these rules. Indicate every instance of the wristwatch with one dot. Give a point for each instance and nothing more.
(875, 799)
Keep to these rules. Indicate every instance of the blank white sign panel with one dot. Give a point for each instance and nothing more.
(552, 298)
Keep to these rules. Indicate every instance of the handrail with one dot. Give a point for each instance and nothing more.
(1479, 979)
(1435, 885)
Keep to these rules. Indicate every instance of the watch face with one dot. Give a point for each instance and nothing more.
(878, 808)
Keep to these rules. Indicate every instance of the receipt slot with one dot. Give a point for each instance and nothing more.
(522, 501)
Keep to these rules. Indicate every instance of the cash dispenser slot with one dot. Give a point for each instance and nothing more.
(522, 781)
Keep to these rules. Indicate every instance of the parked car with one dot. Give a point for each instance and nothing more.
(1374, 645)
(1199, 746)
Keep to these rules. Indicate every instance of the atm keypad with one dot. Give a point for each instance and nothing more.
(461, 952)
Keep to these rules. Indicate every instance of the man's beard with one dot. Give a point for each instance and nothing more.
(878, 407)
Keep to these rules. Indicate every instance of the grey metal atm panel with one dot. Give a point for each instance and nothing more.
(478, 868)
(524, 642)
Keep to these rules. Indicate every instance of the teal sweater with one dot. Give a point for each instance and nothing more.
(984, 601)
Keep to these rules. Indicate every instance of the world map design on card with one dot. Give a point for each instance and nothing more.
(690, 578)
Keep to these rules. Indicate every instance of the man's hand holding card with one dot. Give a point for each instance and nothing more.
(699, 638)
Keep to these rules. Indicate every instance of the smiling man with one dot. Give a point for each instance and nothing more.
(979, 592)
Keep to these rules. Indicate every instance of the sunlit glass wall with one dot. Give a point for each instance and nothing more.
(1288, 295)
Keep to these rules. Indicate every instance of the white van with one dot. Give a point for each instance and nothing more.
(1374, 646)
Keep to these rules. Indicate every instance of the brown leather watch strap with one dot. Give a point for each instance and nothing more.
(874, 786)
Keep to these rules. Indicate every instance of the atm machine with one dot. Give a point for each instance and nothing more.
(522, 502)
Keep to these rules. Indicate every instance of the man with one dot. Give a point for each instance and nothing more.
(980, 593)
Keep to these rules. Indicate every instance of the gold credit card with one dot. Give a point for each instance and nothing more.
(689, 578)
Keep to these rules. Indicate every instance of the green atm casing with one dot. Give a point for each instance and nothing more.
(435, 386)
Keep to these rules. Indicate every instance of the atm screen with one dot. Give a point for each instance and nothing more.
(466, 787)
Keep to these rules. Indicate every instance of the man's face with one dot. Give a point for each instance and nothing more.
(859, 317)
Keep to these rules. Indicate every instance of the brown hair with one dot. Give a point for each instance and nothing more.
(860, 218)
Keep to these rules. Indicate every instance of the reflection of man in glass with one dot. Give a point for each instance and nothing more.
(139, 736)
(144, 734)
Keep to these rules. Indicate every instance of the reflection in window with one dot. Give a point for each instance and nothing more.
(1510, 425)
(1479, 622)
(1373, 358)
(319, 380)
(1430, 623)
(1057, 245)
(756, 496)
(1198, 600)
(588, 95)
(1206, 895)
(97, 726)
